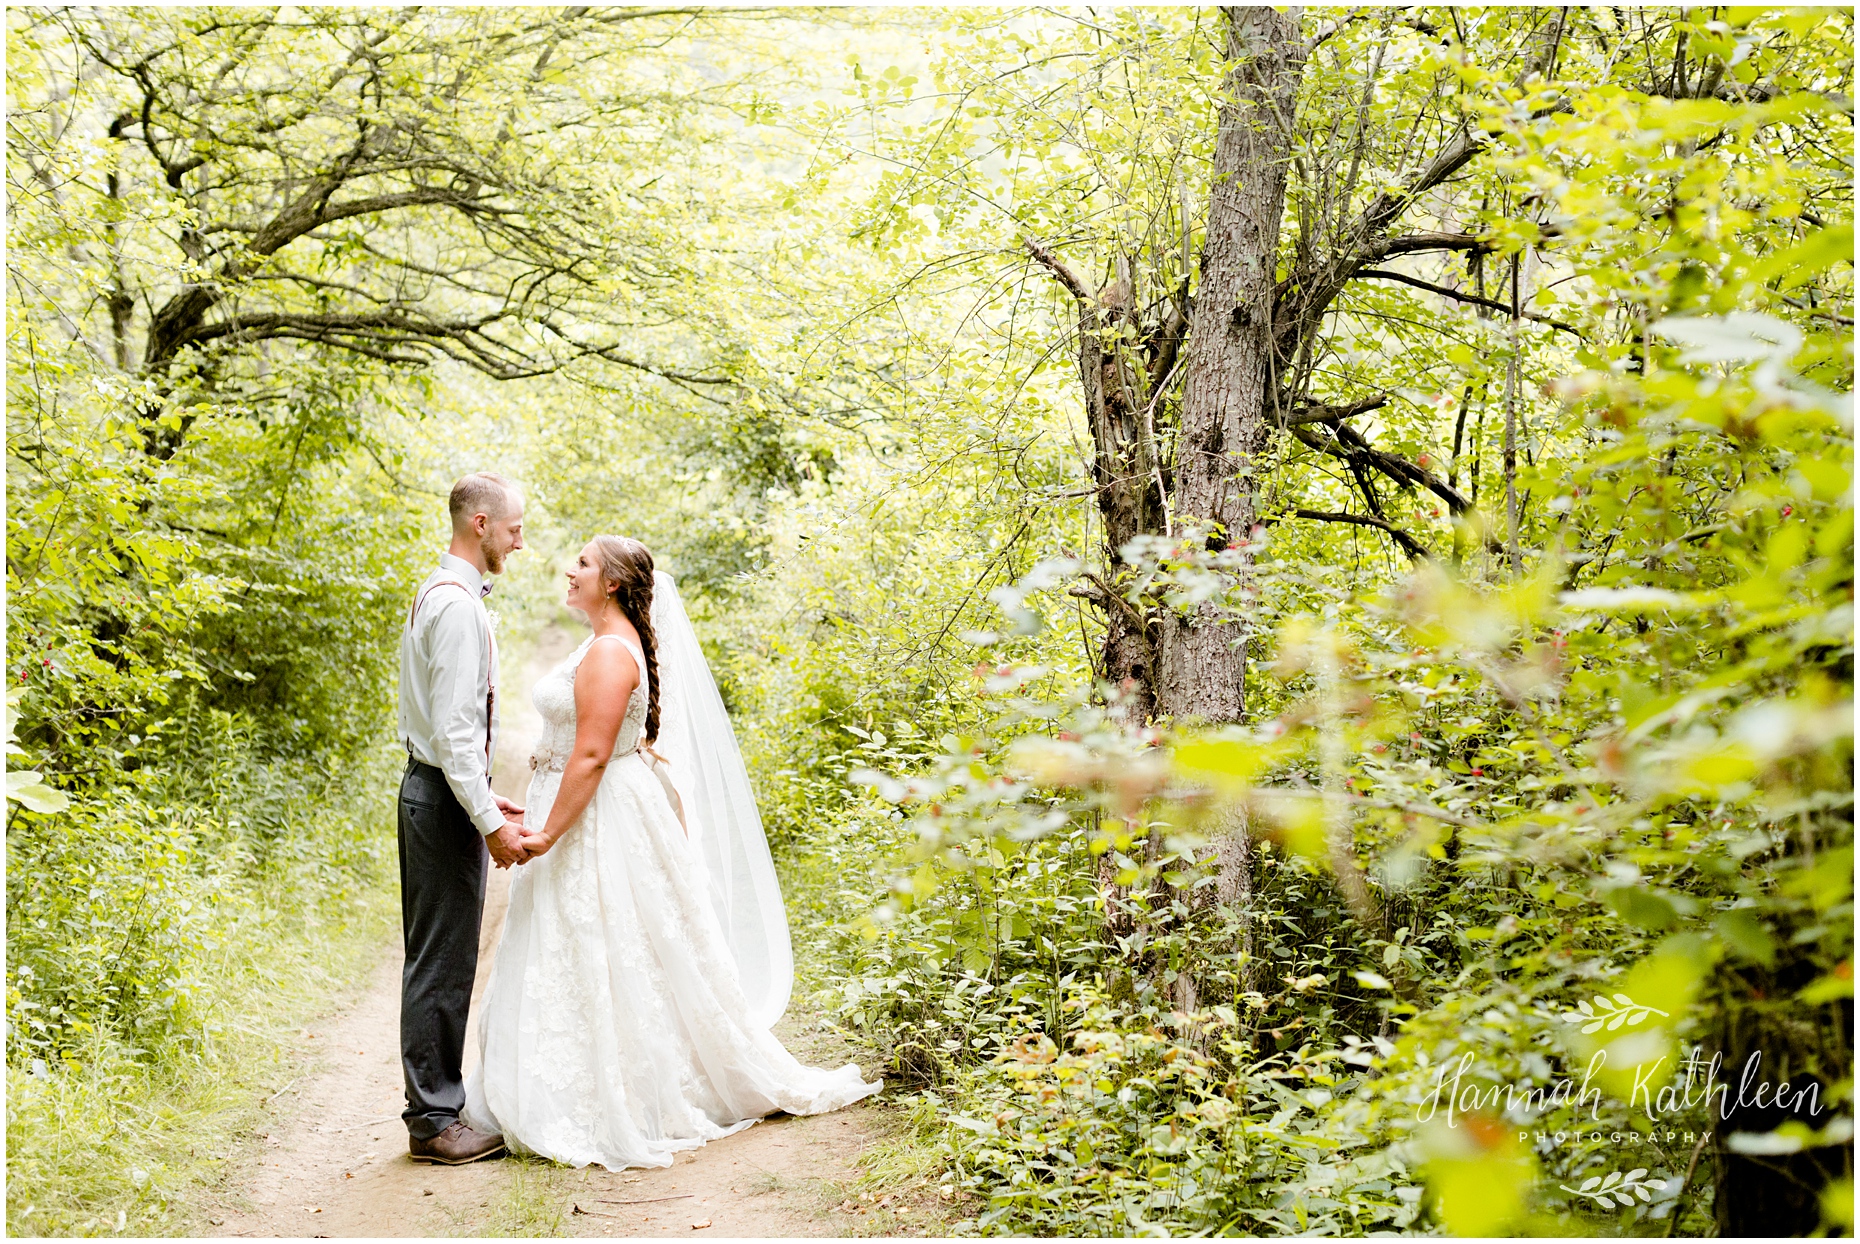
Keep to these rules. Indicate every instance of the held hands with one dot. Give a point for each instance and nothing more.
(506, 843)
(515, 843)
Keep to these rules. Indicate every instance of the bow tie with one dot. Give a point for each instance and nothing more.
(484, 589)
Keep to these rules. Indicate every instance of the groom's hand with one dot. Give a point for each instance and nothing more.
(506, 844)
(511, 811)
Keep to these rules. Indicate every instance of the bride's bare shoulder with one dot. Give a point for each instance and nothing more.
(607, 666)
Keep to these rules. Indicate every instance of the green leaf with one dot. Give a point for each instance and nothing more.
(25, 788)
(1649, 908)
(1742, 930)
(1799, 264)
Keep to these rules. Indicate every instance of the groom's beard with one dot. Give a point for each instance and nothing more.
(493, 558)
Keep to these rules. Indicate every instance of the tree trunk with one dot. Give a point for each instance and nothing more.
(1229, 368)
(1121, 381)
(1124, 470)
(1119, 385)
(1230, 382)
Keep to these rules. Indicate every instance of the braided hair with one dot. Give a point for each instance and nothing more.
(626, 571)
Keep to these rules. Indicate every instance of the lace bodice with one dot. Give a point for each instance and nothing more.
(554, 697)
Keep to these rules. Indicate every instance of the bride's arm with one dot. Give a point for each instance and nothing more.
(603, 686)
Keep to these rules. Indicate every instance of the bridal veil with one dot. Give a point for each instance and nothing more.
(706, 767)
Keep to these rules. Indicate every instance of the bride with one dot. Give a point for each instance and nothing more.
(645, 954)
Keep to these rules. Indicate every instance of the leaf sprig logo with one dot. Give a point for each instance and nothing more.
(1616, 1187)
(1613, 1013)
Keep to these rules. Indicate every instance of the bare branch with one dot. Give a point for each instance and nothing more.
(1461, 296)
(1349, 445)
(1409, 545)
(1057, 266)
(1416, 242)
(1321, 412)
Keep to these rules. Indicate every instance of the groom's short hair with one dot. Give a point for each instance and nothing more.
(481, 492)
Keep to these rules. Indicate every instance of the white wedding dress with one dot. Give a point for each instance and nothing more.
(614, 1030)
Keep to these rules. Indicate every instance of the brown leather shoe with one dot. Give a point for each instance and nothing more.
(455, 1146)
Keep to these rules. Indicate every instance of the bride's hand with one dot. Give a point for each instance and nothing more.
(535, 844)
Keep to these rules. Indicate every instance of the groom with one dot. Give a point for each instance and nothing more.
(449, 819)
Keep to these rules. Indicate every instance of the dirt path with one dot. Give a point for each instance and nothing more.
(333, 1161)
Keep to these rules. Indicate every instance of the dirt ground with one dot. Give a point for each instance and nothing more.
(335, 1161)
(332, 1161)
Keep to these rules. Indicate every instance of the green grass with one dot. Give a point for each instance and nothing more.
(112, 1143)
(530, 1203)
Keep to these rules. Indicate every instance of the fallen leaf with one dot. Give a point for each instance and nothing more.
(699, 1226)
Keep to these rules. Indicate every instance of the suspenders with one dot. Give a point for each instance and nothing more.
(490, 693)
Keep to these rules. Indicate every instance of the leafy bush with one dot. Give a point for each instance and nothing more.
(1501, 831)
(118, 905)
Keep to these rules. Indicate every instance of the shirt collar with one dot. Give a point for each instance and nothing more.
(465, 572)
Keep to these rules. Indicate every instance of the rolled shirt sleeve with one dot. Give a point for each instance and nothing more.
(460, 676)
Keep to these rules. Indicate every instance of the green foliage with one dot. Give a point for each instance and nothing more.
(1482, 796)
(114, 1137)
(1629, 788)
(205, 572)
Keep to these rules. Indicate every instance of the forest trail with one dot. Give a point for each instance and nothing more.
(332, 1161)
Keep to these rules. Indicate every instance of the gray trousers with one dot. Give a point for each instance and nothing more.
(442, 872)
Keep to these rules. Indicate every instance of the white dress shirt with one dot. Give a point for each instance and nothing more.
(448, 666)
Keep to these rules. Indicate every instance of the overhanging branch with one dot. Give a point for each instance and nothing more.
(1415, 243)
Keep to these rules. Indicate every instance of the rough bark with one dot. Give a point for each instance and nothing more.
(1120, 384)
(1226, 405)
